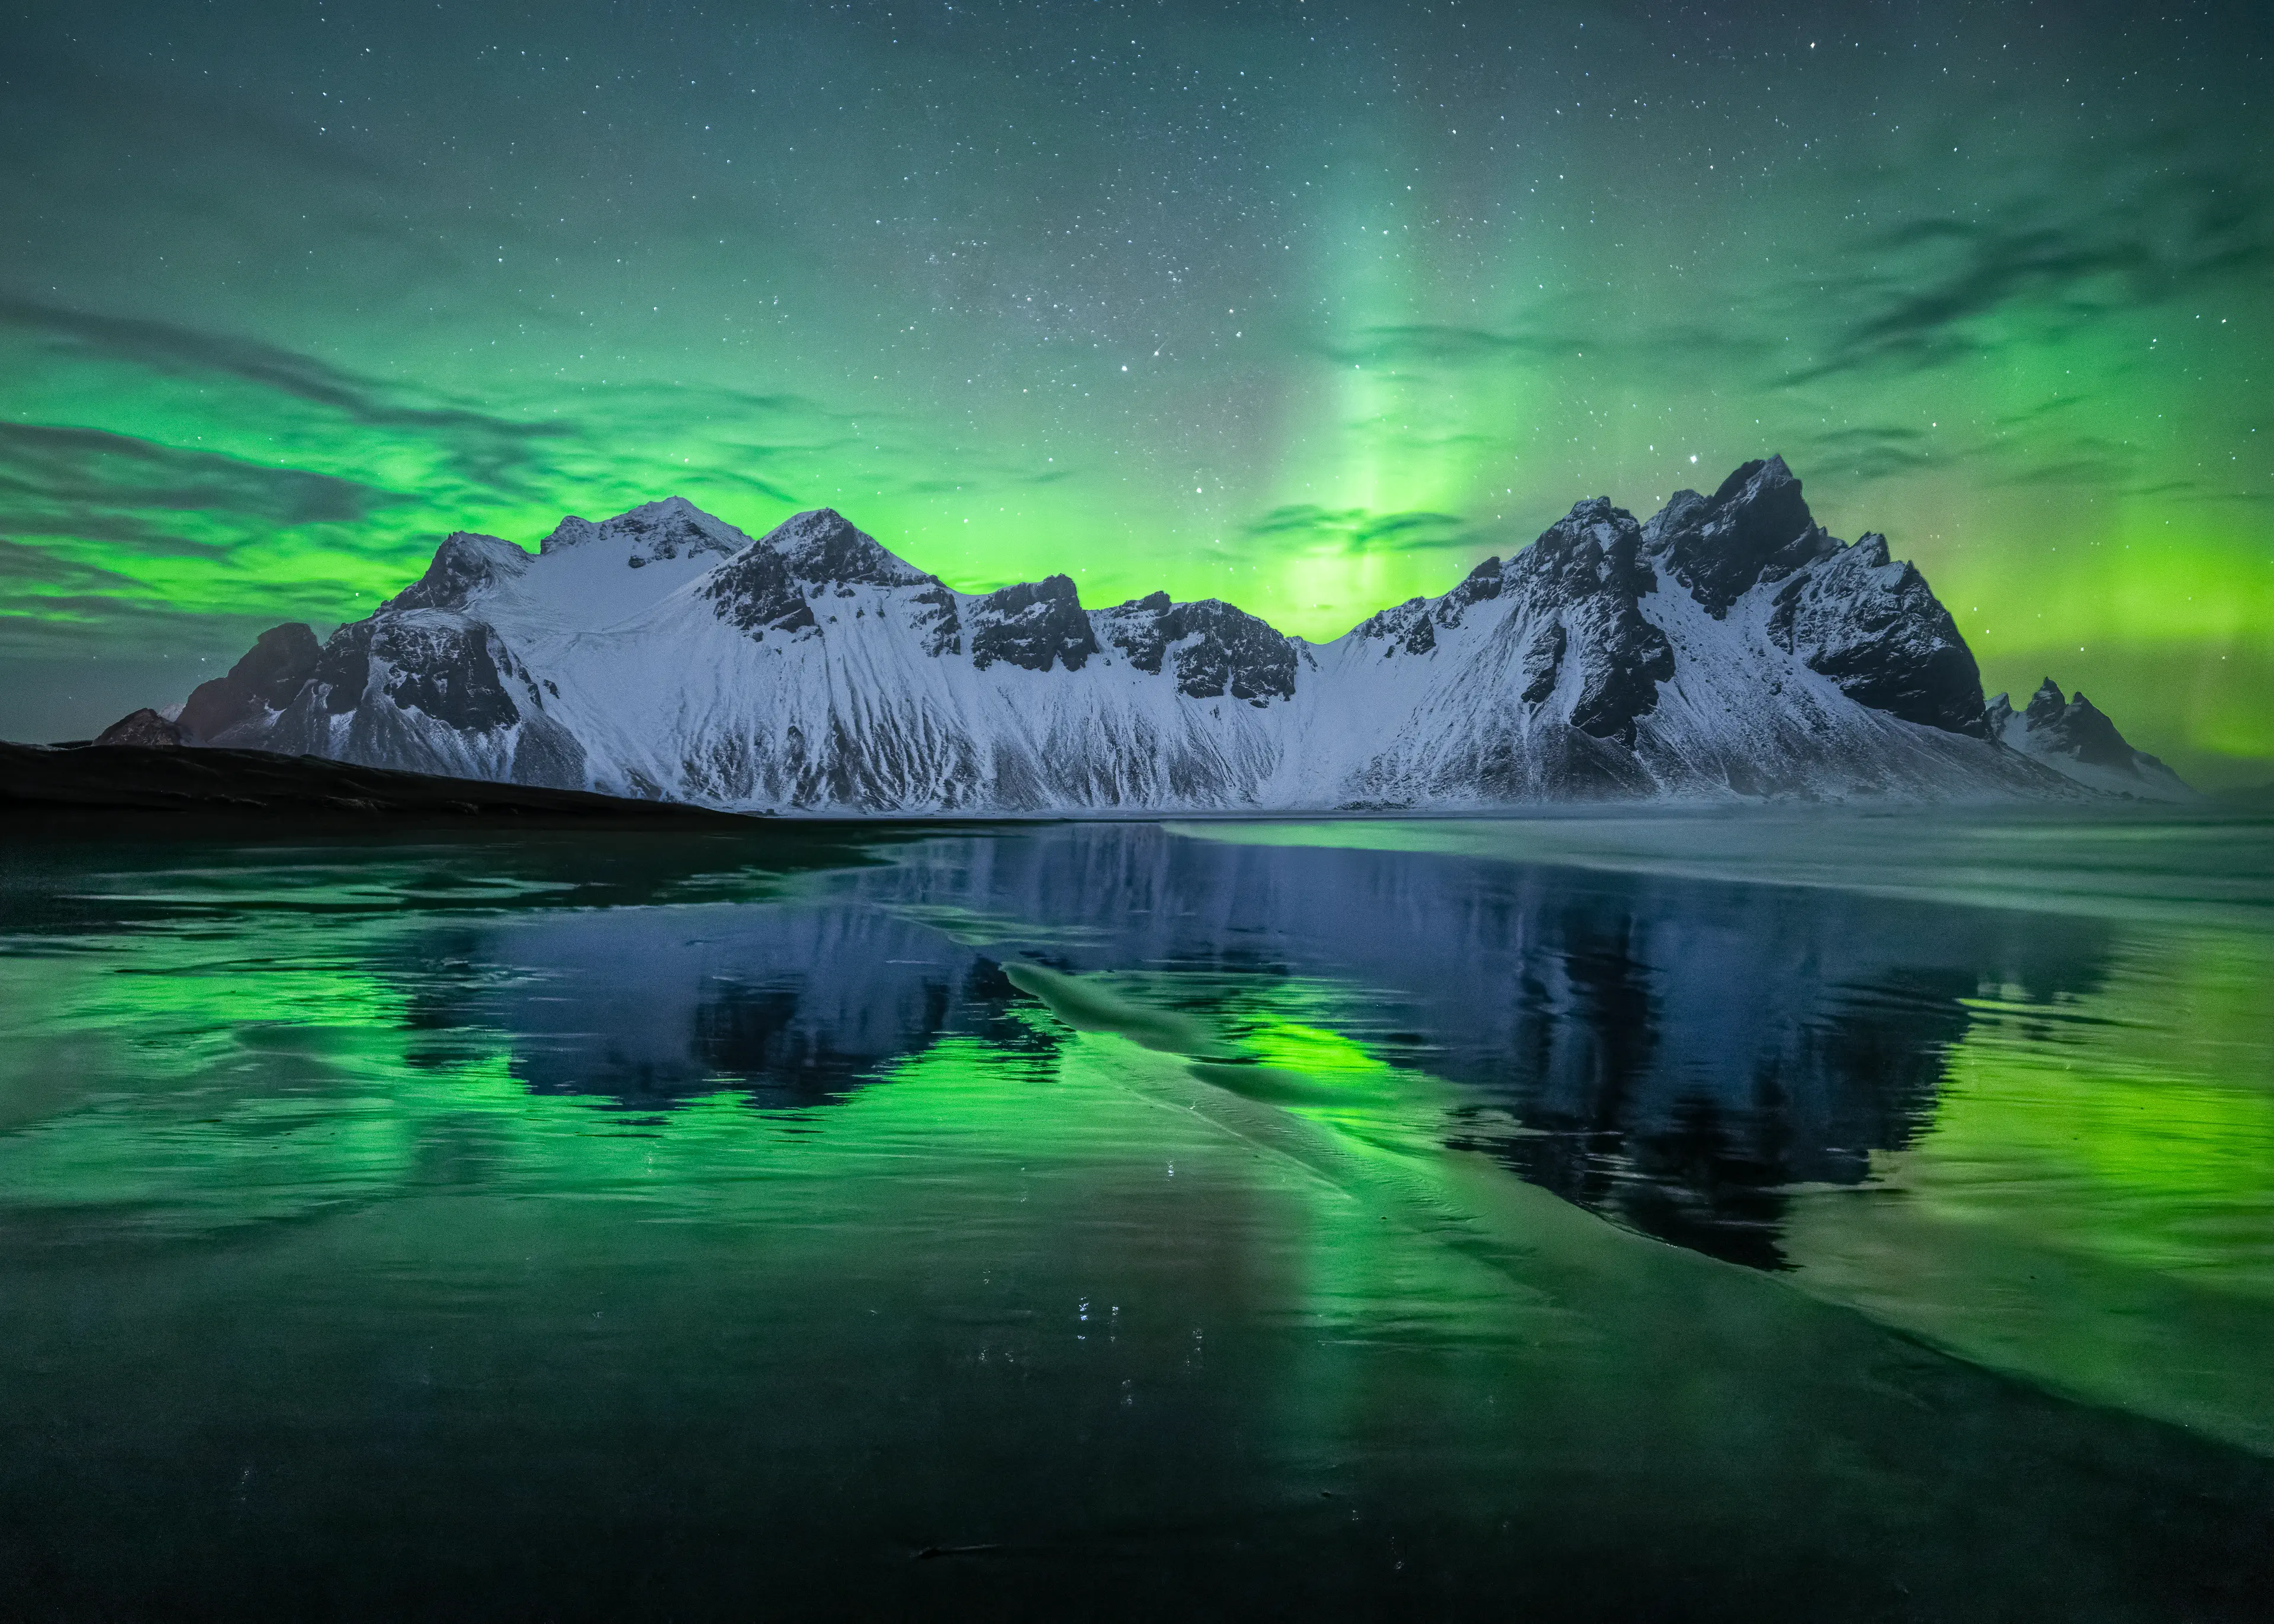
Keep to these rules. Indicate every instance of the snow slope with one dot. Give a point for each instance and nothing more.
(1729, 649)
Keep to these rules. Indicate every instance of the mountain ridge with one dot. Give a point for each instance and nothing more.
(1728, 648)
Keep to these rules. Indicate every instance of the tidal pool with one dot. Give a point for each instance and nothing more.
(1785, 1215)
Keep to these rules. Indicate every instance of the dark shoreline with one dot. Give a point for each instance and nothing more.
(59, 788)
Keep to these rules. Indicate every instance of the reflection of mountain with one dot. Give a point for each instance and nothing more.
(1669, 1051)
(788, 1004)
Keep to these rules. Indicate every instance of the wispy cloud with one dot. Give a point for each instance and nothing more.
(1938, 282)
(1357, 529)
(499, 452)
(87, 481)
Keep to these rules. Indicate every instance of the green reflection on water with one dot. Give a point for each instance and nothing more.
(2094, 1204)
(1216, 1206)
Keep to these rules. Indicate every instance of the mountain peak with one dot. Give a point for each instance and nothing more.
(822, 546)
(1754, 528)
(2075, 736)
(812, 668)
(669, 529)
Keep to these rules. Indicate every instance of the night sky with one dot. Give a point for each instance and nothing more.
(1306, 305)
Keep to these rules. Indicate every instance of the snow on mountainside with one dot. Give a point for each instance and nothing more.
(2073, 736)
(1727, 649)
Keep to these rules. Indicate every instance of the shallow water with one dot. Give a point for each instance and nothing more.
(1793, 1216)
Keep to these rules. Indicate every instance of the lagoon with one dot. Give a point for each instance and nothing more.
(1771, 1214)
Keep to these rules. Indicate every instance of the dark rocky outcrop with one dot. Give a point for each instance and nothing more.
(673, 527)
(463, 562)
(144, 729)
(1405, 628)
(1216, 649)
(1583, 580)
(1481, 584)
(823, 547)
(264, 681)
(1033, 625)
(1872, 625)
(2072, 733)
(2076, 726)
(448, 670)
(1755, 527)
(755, 591)
(1868, 622)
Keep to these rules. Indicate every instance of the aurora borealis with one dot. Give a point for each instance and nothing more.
(1306, 305)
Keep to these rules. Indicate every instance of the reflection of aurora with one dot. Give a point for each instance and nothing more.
(1673, 1053)
(496, 1135)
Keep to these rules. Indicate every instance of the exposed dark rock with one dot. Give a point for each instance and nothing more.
(1872, 625)
(822, 545)
(1756, 528)
(754, 590)
(1032, 625)
(673, 527)
(942, 629)
(265, 679)
(463, 562)
(1217, 649)
(447, 671)
(144, 727)
(1543, 663)
(1482, 583)
(1586, 572)
(2075, 729)
(1406, 627)
(1140, 629)
(344, 672)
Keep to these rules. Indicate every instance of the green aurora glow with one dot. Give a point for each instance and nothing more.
(1304, 307)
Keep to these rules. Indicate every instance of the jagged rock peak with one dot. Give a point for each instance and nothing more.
(1754, 529)
(1217, 649)
(1032, 625)
(2074, 735)
(265, 679)
(1584, 580)
(822, 546)
(463, 562)
(1871, 624)
(672, 528)
(2077, 724)
(145, 728)
(2047, 702)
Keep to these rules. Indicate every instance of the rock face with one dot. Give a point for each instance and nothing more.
(1729, 648)
(258, 686)
(144, 727)
(2073, 737)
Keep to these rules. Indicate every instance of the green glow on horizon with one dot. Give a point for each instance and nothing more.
(1314, 361)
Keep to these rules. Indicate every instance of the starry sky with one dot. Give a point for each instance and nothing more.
(1304, 304)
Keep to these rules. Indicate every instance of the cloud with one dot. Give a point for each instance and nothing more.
(1359, 530)
(1673, 346)
(496, 452)
(2162, 235)
(1441, 344)
(89, 483)
(33, 577)
(1873, 453)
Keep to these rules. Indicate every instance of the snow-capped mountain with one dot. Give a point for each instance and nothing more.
(1729, 648)
(2075, 737)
